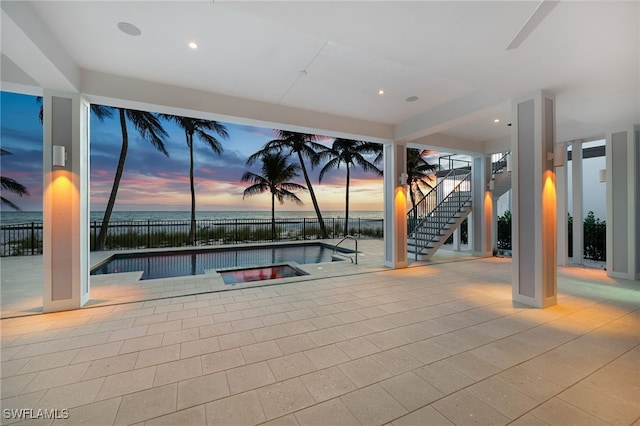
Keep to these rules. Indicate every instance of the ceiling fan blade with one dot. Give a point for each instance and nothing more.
(532, 23)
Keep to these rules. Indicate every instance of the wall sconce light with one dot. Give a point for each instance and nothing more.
(492, 184)
(59, 158)
(603, 175)
(558, 155)
(403, 178)
(509, 165)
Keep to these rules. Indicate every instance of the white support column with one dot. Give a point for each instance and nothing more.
(65, 201)
(456, 239)
(482, 205)
(534, 233)
(563, 226)
(623, 203)
(494, 224)
(577, 196)
(395, 205)
(470, 230)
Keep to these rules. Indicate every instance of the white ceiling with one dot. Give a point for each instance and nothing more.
(587, 53)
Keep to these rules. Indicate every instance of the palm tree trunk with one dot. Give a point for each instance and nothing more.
(412, 194)
(346, 203)
(273, 216)
(192, 227)
(323, 229)
(102, 236)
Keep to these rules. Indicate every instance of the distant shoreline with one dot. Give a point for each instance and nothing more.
(14, 217)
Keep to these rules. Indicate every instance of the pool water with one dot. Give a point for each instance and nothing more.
(181, 263)
(259, 274)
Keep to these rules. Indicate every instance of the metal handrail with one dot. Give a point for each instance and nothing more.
(451, 162)
(501, 164)
(440, 224)
(347, 237)
(412, 215)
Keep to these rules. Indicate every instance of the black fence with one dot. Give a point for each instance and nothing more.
(26, 239)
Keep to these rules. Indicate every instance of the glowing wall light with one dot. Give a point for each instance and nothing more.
(403, 179)
(59, 156)
(559, 155)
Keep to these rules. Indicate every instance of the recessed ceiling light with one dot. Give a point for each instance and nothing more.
(193, 45)
(129, 29)
(381, 92)
(497, 120)
(411, 99)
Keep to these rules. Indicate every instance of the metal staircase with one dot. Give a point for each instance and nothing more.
(438, 214)
(444, 208)
(501, 176)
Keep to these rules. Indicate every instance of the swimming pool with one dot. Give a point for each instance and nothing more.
(195, 262)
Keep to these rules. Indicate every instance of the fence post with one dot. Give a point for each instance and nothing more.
(304, 228)
(33, 241)
(148, 233)
(235, 232)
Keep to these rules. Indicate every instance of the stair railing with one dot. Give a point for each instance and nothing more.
(440, 216)
(450, 162)
(500, 166)
(348, 237)
(432, 199)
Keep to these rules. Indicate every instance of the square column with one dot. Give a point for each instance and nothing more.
(456, 239)
(577, 196)
(395, 205)
(623, 203)
(563, 225)
(65, 201)
(534, 233)
(482, 204)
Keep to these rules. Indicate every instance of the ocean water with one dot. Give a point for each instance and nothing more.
(13, 217)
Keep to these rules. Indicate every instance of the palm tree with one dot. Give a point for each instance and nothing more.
(276, 174)
(11, 185)
(419, 175)
(149, 127)
(303, 145)
(351, 153)
(198, 127)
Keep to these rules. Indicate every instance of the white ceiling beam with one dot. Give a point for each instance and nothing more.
(133, 93)
(27, 42)
(447, 116)
(445, 143)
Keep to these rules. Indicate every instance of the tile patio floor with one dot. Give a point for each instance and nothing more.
(438, 344)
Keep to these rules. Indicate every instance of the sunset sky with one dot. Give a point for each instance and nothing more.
(152, 181)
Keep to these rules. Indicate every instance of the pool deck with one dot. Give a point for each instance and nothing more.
(21, 281)
(433, 344)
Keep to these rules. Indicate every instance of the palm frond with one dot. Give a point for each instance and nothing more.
(12, 185)
(101, 111)
(210, 141)
(10, 204)
(276, 175)
(334, 163)
(283, 195)
(149, 127)
(255, 189)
